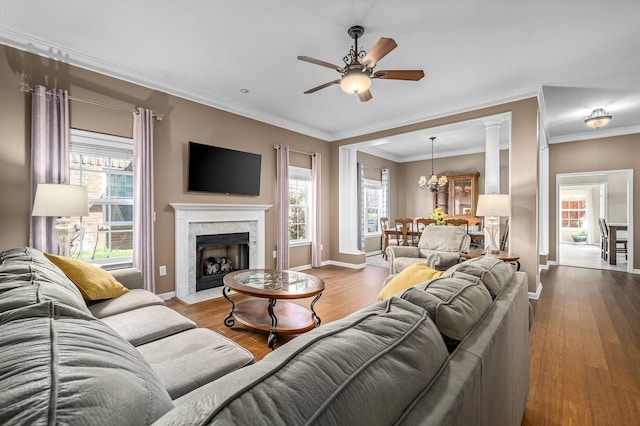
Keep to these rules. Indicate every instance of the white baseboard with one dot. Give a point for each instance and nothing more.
(536, 295)
(300, 268)
(374, 253)
(345, 265)
(327, 263)
(167, 296)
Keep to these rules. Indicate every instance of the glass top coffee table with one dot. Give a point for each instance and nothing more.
(273, 315)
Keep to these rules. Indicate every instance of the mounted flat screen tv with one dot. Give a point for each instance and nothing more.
(223, 171)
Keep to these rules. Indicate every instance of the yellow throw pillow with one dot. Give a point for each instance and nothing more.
(408, 277)
(93, 282)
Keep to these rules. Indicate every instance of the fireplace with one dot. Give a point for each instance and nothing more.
(195, 219)
(219, 254)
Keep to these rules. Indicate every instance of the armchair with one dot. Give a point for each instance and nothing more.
(438, 248)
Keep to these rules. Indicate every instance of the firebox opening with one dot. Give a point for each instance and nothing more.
(219, 254)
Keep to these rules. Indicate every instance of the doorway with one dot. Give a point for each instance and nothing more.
(583, 198)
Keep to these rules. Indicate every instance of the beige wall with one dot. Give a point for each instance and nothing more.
(523, 174)
(373, 170)
(417, 202)
(614, 153)
(183, 121)
(188, 121)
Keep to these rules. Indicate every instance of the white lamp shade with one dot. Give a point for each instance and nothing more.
(493, 205)
(60, 200)
(355, 82)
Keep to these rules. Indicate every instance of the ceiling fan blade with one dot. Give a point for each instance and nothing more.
(319, 62)
(322, 86)
(413, 75)
(379, 51)
(365, 96)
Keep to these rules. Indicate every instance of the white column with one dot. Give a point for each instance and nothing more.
(543, 202)
(348, 199)
(492, 157)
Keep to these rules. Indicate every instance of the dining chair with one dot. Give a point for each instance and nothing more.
(622, 241)
(603, 239)
(387, 237)
(505, 236)
(421, 223)
(464, 223)
(404, 226)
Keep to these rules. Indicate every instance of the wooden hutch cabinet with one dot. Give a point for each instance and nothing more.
(459, 197)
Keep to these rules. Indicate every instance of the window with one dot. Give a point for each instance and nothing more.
(299, 204)
(372, 206)
(104, 164)
(573, 212)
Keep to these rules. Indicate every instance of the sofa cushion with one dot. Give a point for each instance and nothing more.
(441, 238)
(366, 368)
(188, 360)
(93, 282)
(494, 273)
(17, 291)
(27, 260)
(455, 304)
(410, 276)
(134, 299)
(147, 324)
(131, 278)
(56, 362)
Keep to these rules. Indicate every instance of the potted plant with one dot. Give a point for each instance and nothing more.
(439, 216)
(579, 235)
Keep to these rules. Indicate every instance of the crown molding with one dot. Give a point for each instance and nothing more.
(42, 48)
(596, 134)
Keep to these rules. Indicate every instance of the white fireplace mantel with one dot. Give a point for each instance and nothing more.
(193, 218)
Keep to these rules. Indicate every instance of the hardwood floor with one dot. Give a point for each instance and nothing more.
(346, 291)
(585, 349)
(584, 342)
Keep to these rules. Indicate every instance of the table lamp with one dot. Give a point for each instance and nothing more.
(492, 206)
(61, 201)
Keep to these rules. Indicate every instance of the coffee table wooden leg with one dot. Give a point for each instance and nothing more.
(228, 320)
(273, 338)
(313, 312)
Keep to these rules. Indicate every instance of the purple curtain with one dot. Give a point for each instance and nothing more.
(143, 249)
(49, 155)
(282, 196)
(316, 216)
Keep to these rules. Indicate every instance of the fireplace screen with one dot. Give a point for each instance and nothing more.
(219, 254)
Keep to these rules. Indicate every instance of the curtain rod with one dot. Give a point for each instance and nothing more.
(296, 151)
(26, 87)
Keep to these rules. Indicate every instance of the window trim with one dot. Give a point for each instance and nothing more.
(377, 185)
(569, 210)
(302, 174)
(93, 143)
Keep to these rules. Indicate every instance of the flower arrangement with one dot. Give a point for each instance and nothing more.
(439, 216)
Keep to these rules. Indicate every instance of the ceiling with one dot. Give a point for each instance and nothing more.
(574, 55)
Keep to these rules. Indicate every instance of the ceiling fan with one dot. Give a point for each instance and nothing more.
(358, 71)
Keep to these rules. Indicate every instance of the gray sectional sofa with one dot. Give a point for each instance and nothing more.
(452, 351)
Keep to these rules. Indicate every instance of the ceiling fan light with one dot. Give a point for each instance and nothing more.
(599, 117)
(355, 81)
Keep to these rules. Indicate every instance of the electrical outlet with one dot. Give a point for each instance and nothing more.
(275, 254)
(163, 270)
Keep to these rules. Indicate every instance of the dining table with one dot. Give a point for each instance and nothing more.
(613, 239)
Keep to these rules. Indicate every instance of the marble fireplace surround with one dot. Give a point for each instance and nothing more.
(193, 219)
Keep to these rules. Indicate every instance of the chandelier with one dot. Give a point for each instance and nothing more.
(434, 182)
